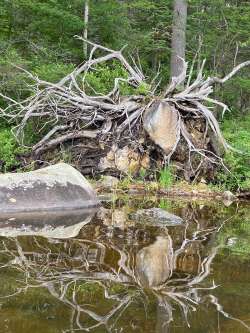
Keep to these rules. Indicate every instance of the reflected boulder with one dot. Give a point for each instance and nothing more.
(157, 216)
(50, 224)
(154, 263)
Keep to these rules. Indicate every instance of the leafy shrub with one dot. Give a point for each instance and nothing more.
(12, 79)
(53, 72)
(101, 80)
(236, 94)
(8, 149)
(237, 133)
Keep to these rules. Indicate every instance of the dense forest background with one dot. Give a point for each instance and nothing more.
(38, 36)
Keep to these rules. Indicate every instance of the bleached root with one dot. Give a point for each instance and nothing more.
(65, 111)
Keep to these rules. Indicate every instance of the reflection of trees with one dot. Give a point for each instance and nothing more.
(173, 273)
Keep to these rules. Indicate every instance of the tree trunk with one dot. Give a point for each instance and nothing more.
(178, 43)
(85, 32)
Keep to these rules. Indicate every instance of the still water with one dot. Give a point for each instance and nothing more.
(120, 274)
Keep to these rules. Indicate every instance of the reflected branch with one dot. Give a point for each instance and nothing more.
(174, 274)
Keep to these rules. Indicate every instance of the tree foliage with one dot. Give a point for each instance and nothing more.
(39, 36)
(41, 33)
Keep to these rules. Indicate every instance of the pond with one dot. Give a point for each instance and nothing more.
(124, 274)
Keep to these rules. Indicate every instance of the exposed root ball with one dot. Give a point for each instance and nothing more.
(65, 112)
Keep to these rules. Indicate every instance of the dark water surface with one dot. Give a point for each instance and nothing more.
(120, 275)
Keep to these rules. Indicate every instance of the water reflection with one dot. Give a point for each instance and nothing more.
(154, 263)
(109, 275)
(51, 224)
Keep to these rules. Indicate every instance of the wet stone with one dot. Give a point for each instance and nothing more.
(227, 195)
(109, 182)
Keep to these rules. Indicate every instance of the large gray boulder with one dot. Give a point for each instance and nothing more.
(160, 121)
(55, 188)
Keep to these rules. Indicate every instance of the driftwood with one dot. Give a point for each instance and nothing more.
(68, 112)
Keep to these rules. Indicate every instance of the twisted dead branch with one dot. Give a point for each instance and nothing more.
(65, 111)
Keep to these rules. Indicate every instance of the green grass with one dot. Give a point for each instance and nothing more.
(166, 178)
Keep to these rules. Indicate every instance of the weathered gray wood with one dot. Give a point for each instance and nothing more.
(66, 105)
(86, 22)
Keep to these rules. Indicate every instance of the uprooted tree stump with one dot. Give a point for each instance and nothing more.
(123, 134)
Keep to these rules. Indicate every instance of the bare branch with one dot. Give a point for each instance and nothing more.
(65, 137)
(213, 80)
